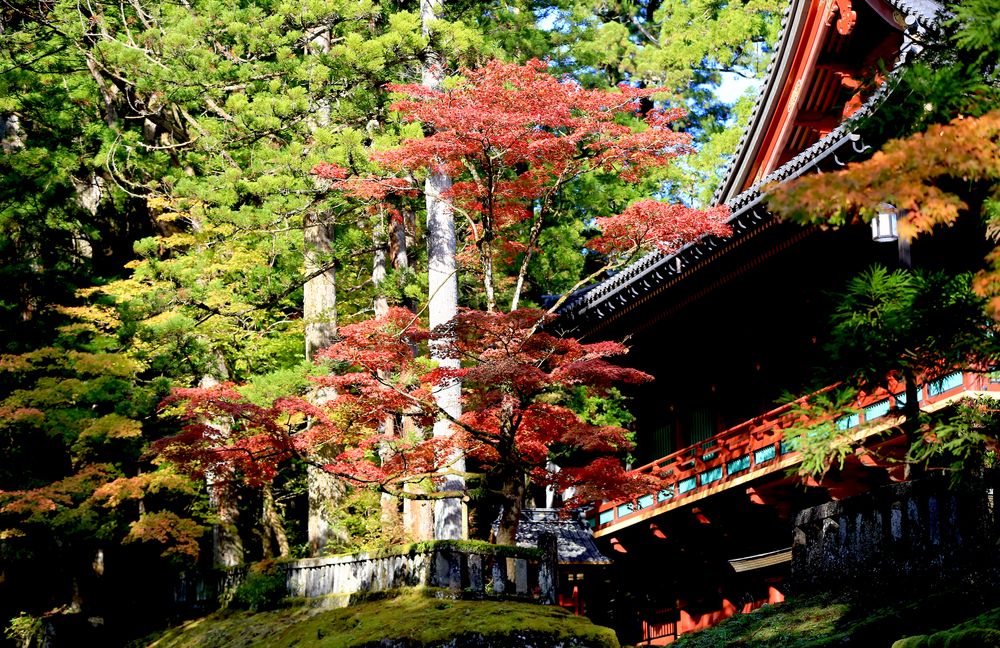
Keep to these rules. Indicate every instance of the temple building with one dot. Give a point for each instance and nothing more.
(728, 326)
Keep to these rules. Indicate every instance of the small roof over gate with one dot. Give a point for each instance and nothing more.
(575, 542)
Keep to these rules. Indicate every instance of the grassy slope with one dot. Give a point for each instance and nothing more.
(826, 622)
(418, 618)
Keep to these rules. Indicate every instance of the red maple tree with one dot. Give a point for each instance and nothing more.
(516, 383)
(512, 136)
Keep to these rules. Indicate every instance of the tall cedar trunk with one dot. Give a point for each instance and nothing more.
(320, 292)
(389, 504)
(320, 313)
(11, 137)
(442, 306)
(379, 270)
(227, 546)
(223, 493)
(417, 521)
(274, 538)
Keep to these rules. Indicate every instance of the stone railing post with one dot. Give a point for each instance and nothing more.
(548, 569)
(499, 571)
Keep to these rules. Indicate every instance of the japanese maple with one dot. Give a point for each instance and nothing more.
(515, 389)
(512, 136)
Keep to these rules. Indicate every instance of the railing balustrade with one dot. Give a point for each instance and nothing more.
(759, 446)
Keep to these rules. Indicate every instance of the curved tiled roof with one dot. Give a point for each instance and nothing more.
(655, 271)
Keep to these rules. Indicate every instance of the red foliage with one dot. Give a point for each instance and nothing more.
(511, 135)
(224, 432)
(651, 223)
(514, 378)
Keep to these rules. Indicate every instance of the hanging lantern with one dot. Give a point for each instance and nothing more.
(884, 224)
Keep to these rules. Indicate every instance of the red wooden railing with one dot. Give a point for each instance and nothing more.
(757, 447)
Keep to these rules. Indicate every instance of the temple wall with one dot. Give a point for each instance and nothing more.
(921, 531)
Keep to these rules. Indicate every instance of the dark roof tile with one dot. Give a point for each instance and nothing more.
(574, 540)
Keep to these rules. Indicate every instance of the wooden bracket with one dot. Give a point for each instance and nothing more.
(848, 17)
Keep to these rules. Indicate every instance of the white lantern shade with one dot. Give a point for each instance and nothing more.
(884, 224)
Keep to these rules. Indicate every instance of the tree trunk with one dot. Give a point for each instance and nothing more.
(223, 494)
(320, 313)
(325, 494)
(379, 270)
(11, 137)
(512, 501)
(486, 262)
(389, 504)
(227, 545)
(449, 521)
(274, 539)
(320, 292)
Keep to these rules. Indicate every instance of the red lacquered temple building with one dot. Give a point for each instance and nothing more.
(727, 326)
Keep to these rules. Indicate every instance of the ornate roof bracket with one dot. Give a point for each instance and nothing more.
(848, 17)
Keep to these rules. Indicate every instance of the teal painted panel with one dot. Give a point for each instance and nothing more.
(878, 410)
(789, 445)
(709, 456)
(847, 422)
(625, 509)
(685, 485)
(592, 523)
(738, 465)
(949, 382)
(711, 475)
(606, 517)
(901, 398)
(763, 455)
(665, 494)
(645, 500)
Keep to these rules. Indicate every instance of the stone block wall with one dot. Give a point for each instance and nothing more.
(465, 569)
(922, 531)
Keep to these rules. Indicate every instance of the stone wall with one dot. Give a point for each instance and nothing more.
(921, 531)
(479, 572)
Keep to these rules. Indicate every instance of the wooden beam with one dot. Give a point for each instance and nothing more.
(821, 121)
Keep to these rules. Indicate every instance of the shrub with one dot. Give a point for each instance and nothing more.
(263, 588)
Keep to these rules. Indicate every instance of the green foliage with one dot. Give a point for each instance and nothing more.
(905, 325)
(822, 434)
(609, 407)
(686, 45)
(359, 515)
(26, 630)
(263, 588)
(963, 440)
(75, 419)
(921, 323)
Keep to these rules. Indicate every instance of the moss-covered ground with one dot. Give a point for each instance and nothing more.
(952, 619)
(414, 617)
